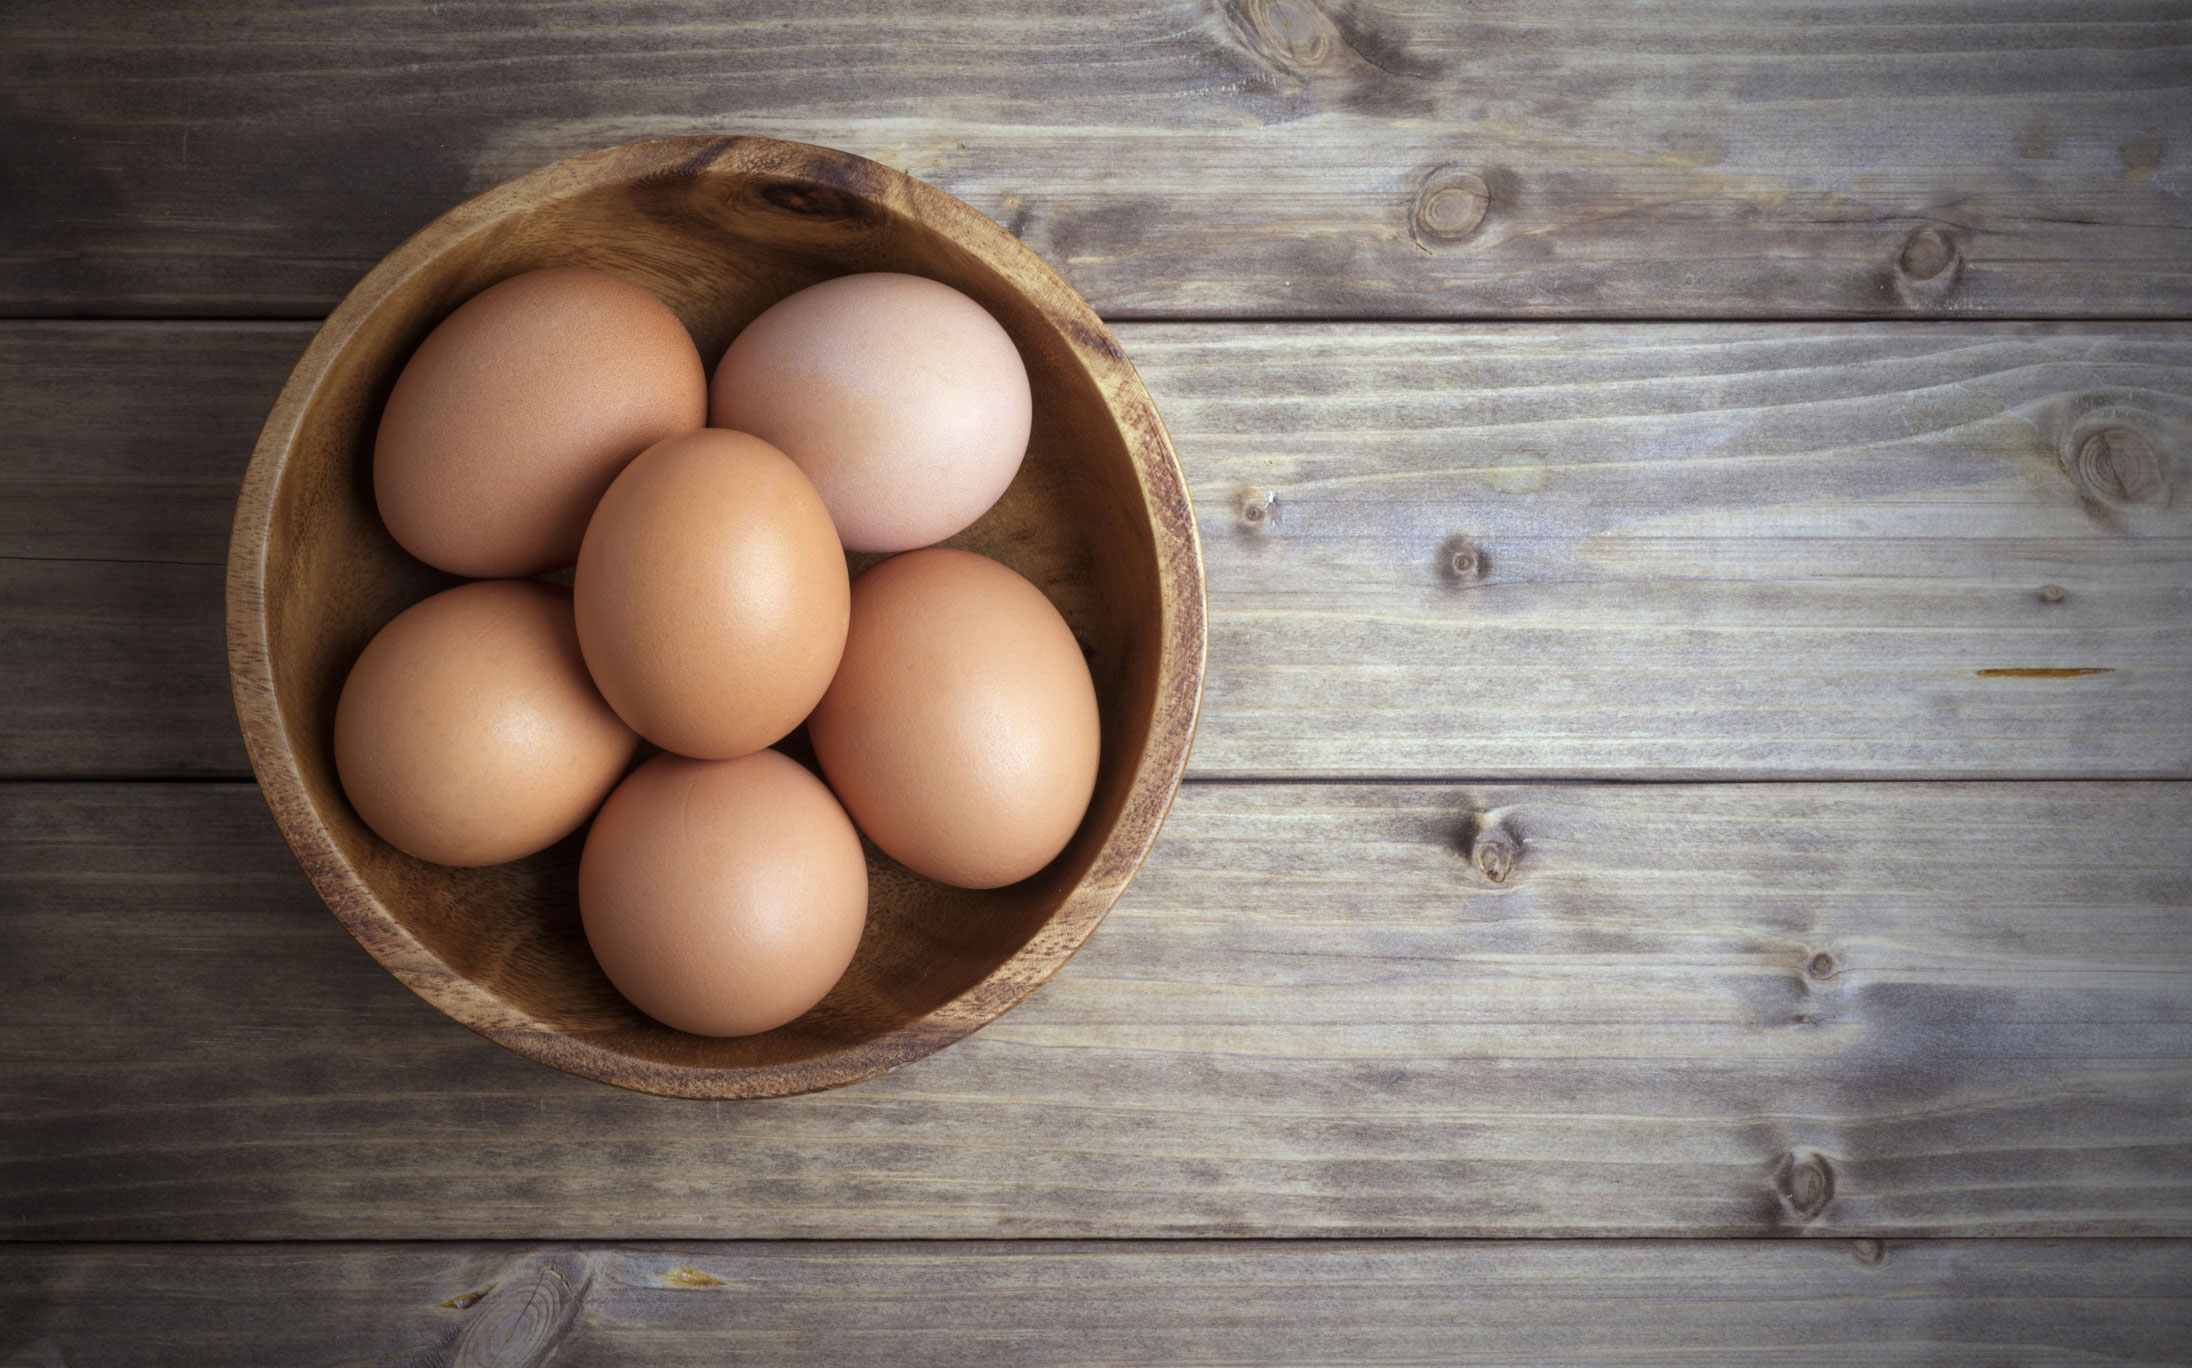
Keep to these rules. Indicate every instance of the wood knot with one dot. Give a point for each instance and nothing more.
(520, 1324)
(2052, 593)
(1345, 53)
(2115, 464)
(1259, 510)
(1928, 254)
(1805, 1184)
(1450, 206)
(1868, 1251)
(1292, 34)
(1494, 857)
(1492, 851)
(1491, 848)
(1821, 966)
(1461, 561)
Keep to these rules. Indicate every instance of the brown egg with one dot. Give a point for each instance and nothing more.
(961, 730)
(515, 414)
(468, 732)
(723, 897)
(901, 398)
(712, 595)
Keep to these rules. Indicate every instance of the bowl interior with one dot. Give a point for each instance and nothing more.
(721, 229)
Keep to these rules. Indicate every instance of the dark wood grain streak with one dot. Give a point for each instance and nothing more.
(1782, 1009)
(1707, 158)
(1040, 1303)
(1687, 551)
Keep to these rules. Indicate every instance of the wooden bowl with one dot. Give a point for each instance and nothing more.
(719, 228)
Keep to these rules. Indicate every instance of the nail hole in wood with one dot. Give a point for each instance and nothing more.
(1868, 1251)
(1461, 561)
(1821, 966)
(1258, 509)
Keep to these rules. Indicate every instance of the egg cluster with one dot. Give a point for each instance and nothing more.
(563, 418)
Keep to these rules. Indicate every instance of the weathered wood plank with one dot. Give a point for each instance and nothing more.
(1857, 1009)
(1681, 551)
(126, 442)
(118, 479)
(1039, 1302)
(1713, 158)
(1684, 550)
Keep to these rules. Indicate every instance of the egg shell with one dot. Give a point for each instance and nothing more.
(516, 412)
(712, 595)
(961, 731)
(723, 897)
(904, 401)
(468, 731)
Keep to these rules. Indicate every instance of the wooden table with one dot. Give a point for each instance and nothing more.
(1688, 849)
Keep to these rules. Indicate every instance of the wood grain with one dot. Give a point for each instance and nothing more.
(1632, 551)
(117, 485)
(1209, 1302)
(1705, 158)
(1345, 1010)
(1700, 552)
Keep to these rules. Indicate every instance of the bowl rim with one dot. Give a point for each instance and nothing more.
(1158, 768)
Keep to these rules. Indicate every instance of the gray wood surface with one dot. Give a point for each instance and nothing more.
(1631, 551)
(1534, 558)
(1175, 157)
(1206, 1302)
(1356, 1009)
